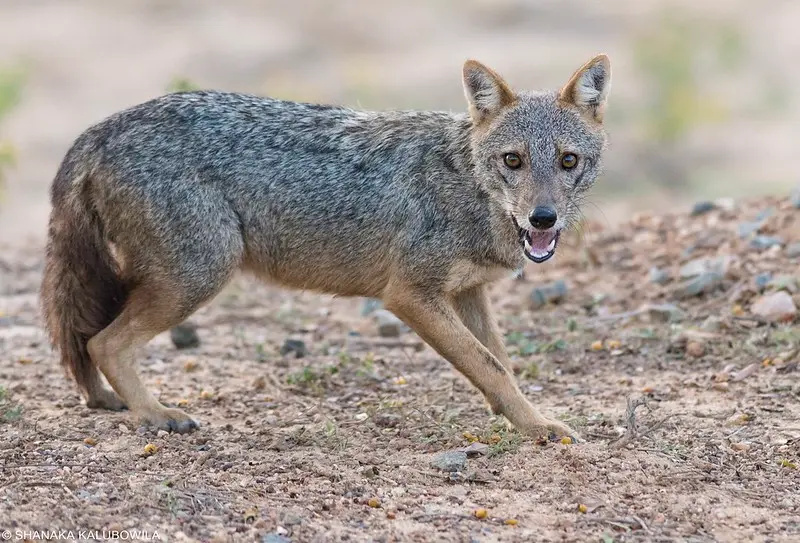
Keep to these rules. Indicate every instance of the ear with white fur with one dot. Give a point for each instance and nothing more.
(487, 94)
(588, 88)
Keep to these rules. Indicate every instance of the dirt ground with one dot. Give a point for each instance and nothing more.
(338, 445)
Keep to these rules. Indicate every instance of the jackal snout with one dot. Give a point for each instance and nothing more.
(543, 217)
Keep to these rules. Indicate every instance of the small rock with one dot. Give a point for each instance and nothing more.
(795, 197)
(278, 537)
(762, 280)
(777, 307)
(699, 266)
(701, 284)
(450, 461)
(552, 293)
(712, 324)
(746, 229)
(741, 446)
(695, 349)
(388, 323)
(793, 250)
(162, 433)
(665, 313)
(743, 374)
(370, 306)
(476, 448)
(658, 276)
(765, 242)
(294, 346)
(701, 207)
(184, 336)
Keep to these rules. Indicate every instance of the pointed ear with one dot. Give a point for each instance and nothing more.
(588, 88)
(486, 91)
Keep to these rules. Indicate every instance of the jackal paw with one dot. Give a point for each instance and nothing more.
(104, 398)
(170, 420)
(551, 430)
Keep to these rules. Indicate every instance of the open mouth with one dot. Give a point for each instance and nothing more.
(538, 245)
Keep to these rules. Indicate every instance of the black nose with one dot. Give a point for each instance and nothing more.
(543, 217)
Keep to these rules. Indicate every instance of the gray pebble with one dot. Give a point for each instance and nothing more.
(793, 249)
(765, 242)
(184, 336)
(665, 313)
(552, 293)
(795, 197)
(701, 208)
(450, 461)
(388, 323)
(658, 276)
(294, 346)
(705, 282)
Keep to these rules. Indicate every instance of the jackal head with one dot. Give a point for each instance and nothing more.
(538, 152)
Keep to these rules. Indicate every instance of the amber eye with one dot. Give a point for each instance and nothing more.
(512, 160)
(569, 161)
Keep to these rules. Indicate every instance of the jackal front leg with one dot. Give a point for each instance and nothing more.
(436, 321)
(475, 312)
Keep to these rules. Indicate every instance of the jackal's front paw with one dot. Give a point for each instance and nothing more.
(551, 430)
(171, 420)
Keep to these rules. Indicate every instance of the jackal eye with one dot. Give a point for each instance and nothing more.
(512, 160)
(569, 161)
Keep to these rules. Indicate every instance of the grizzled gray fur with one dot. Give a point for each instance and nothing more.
(165, 201)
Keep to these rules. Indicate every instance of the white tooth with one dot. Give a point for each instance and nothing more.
(528, 246)
(552, 245)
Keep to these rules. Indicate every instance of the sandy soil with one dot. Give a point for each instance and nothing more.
(301, 449)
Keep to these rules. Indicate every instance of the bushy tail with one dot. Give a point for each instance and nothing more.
(82, 291)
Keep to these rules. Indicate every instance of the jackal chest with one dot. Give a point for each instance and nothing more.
(464, 275)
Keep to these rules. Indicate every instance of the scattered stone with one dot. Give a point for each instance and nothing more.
(476, 448)
(712, 324)
(743, 374)
(294, 346)
(762, 280)
(279, 536)
(388, 323)
(776, 307)
(658, 276)
(370, 305)
(665, 313)
(450, 461)
(795, 197)
(695, 349)
(765, 214)
(552, 293)
(701, 208)
(699, 266)
(701, 284)
(765, 242)
(741, 446)
(793, 250)
(746, 229)
(184, 336)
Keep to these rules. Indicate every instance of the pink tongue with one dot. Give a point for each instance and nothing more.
(540, 241)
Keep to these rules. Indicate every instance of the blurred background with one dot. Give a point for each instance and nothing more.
(704, 101)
